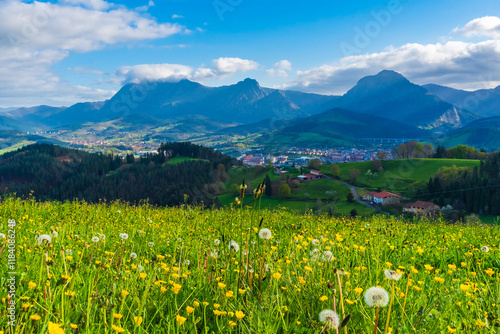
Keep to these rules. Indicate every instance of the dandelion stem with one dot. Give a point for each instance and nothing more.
(341, 299)
(376, 320)
(390, 307)
(406, 292)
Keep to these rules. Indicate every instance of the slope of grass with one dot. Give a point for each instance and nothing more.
(397, 175)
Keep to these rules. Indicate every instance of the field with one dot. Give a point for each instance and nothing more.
(397, 175)
(115, 268)
(304, 197)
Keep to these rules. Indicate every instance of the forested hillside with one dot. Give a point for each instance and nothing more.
(50, 172)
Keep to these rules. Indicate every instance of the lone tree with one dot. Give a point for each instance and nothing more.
(314, 163)
(350, 197)
(284, 191)
(353, 174)
(381, 155)
(335, 170)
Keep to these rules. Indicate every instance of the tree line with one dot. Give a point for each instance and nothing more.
(49, 172)
(463, 189)
(414, 149)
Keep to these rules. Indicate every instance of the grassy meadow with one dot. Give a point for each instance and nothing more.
(397, 175)
(116, 268)
(314, 195)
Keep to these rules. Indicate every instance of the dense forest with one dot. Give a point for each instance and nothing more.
(49, 172)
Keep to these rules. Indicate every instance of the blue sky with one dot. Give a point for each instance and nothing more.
(65, 51)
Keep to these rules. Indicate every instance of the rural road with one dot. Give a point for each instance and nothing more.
(354, 191)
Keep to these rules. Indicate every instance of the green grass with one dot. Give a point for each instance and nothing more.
(298, 201)
(179, 271)
(397, 174)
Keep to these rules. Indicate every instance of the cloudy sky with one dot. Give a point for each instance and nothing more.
(60, 52)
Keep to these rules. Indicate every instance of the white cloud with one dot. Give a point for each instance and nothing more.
(222, 68)
(146, 7)
(85, 70)
(280, 69)
(458, 64)
(91, 4)
(154, 72)
(176, 16)
(226, 66)
(36, 36)
(45, 25)
(487, 26)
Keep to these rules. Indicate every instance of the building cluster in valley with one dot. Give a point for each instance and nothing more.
(302, 156)
(386, 198)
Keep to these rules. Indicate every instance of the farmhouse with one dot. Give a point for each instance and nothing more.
(421, 208)
(308, 177)
(368, 196)
(316, 172)
(386, 198)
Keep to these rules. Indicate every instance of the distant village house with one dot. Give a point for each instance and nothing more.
(421, 208)
(386, 198)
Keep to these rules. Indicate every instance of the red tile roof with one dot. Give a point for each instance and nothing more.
(385, 194)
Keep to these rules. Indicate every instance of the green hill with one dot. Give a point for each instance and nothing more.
(316, 195)
(341, 127)
(397, 175)
(483, 133)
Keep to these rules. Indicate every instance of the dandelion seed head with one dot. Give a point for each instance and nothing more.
(124, 236)
(265, 234)
(95, 239)
(328, 255)
(392, 275)
(55, 234)
(2, 236)
(151, 244)
(330, 319)
(233, 246)
(485, 249)
(133, 255)
(376, 297)
(44, 238)
(216, 242)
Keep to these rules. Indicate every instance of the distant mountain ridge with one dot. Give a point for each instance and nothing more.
(184, 110)
(484, 102)
(341, 127)
(390, 95)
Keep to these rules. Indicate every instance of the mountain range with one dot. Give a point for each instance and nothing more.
(382, 105)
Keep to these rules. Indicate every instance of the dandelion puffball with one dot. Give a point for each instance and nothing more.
(392, 275)
(330, 319)
(233, 246)
(485, 249)
(376, 297)
(265, 234)
(216, 242)
(44, 238)
(55, 234)
(95, 239)
(133, 255)
(328, 255)
(124, 236)
(151, 244)
(2, 236)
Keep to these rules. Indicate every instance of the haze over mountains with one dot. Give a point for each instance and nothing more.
(383, 105)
